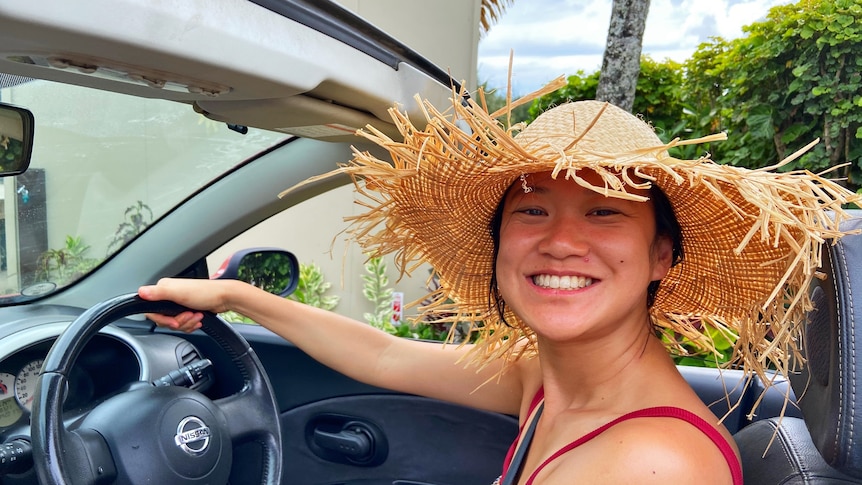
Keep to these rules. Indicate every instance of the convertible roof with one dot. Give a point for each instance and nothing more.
(309, 68)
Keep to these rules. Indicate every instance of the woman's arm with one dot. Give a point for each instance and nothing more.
(350, 347)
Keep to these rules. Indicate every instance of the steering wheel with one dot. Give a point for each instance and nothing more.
(152, 434)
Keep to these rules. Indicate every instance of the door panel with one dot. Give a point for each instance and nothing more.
(428, 442)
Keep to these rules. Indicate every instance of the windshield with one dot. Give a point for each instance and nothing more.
(104, 166)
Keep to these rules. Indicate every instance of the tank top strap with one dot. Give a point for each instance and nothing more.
(657, 412)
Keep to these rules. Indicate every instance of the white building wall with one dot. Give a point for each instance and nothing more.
(447, 33)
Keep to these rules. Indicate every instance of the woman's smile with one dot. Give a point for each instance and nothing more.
(561, 282)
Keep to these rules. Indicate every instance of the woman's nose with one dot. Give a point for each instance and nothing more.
(566, 237)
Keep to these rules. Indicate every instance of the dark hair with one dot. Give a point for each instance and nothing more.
(666, 225)
(495, 299)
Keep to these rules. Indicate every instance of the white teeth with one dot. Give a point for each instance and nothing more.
(562, 282)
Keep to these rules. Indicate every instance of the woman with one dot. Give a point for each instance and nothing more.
(553, 242)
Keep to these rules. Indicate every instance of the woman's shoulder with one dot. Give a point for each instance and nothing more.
(646, 448)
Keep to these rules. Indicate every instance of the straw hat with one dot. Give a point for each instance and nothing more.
(751, 238)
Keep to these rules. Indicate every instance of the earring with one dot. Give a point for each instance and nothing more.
(526, 188)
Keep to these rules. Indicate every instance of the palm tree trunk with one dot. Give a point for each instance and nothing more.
(621, 62)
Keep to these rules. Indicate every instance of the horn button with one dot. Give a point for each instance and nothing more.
(173, 426)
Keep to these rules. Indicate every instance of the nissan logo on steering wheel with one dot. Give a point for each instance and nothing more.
(193, 436)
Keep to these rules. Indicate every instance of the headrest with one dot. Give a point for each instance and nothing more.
(829, 389)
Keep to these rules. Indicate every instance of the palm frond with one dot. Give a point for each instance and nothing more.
(491, 12)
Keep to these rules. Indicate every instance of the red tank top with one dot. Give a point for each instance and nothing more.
(655, 412)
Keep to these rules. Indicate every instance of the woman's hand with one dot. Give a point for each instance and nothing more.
(199, 294)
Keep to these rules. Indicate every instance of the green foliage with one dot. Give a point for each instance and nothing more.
(439, 330)
(67, 264)
(376, 290)
(657, 98)
(793, 78)
(692, 356)
(234, 317)
(136, 218)
(266, 271)
(312, 288)
(421, 331)
(578, 87)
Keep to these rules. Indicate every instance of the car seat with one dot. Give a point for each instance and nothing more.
(826, 446)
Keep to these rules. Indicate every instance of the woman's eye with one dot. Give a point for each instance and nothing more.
(532, 212)
(603, 212)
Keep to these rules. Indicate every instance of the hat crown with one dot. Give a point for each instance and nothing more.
(595, 126)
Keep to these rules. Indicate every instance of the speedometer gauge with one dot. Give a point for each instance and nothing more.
(25, 383)
(9, 409)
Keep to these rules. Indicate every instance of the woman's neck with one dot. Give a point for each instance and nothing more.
(585, 375)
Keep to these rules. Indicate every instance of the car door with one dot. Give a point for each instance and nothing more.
(339, 431)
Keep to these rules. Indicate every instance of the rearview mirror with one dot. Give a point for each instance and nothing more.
(16, 139)
(273, 270)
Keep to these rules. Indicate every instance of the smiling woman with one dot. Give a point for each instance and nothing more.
(582, 366)
(141, 176)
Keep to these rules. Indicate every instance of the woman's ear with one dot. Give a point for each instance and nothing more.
(662, 254)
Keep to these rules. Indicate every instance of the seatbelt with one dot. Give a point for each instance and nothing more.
(514, 470)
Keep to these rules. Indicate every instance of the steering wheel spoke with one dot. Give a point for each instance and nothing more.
(94, 461)
(244, 411)
(85, 450)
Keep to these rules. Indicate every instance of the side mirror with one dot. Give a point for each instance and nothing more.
(16, 139)
(273, 270)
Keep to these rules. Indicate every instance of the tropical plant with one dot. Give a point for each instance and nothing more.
(136, 218)
(490, 12)
(421, 331)
(312, 288)
(688, 354)
(439, 329)
(376, 289)
(67, 264)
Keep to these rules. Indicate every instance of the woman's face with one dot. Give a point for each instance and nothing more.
(573, 263)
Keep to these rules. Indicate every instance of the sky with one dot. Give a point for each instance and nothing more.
(559, 37)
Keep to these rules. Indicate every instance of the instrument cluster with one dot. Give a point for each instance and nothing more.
(17, 392)
(105, 366)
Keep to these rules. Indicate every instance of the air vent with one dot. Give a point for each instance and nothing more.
(187, 354)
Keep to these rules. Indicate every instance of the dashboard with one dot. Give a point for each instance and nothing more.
(112, 360)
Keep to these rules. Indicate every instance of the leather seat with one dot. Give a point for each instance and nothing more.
(826, 446)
